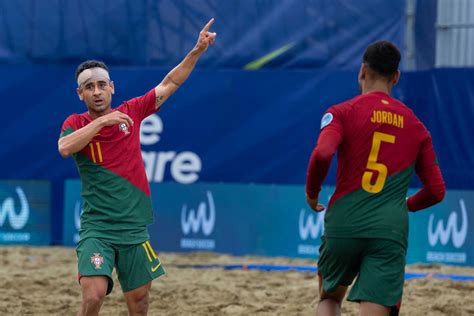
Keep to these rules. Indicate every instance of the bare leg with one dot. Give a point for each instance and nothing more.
(94, 289)
(137, 300)
(330, 303)
(372, 309)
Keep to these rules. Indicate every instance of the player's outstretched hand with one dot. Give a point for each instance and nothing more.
(315, 206)
(116, 118)
(206, 38)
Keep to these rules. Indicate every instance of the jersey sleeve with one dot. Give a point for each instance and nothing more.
(333, 120)
(69, 125)
(329, 140)
(143, 106)
(427, 169)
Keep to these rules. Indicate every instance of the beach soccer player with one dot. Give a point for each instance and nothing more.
(105, 144)
(379, 143)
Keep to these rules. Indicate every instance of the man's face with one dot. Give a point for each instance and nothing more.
(97, 95)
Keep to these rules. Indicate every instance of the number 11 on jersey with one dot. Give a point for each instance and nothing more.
(99, 152)
(373, 165)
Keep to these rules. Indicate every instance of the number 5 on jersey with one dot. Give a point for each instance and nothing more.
(373, 165)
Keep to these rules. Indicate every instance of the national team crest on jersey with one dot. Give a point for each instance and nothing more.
(124, 128)
(97, 260)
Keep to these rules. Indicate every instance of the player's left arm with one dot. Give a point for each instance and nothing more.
(176, 77)
(329, 140)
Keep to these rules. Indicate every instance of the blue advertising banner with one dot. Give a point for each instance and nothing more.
(229, 218)
(444, 233)
(72, 212)
(296, 34)
(209, 125)
(232, 218)
(274, 220)
(25, 212)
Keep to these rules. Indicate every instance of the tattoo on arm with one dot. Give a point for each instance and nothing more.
(159, 99)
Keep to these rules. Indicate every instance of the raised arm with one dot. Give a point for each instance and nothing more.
(180, 73)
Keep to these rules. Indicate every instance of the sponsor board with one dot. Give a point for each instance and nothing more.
(78, 209)
(183, 167)
(311, 227)
(72, 212)
(198, 221)
(449, 234)
(25, 212)
(444, 233)
(190, 218)
(274, 220)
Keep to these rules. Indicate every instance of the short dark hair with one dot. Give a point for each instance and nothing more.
(90, 64)
(382, 57)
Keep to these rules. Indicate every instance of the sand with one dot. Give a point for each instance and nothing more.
(42, 281)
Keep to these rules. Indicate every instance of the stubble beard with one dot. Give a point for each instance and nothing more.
(98, 110)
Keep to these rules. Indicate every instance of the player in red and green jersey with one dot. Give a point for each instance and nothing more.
(379, 142)
(105, 145)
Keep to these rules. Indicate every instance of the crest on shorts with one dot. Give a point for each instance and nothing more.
(97, 260)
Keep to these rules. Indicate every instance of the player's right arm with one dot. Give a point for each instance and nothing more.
(77, 140)
(427, 169)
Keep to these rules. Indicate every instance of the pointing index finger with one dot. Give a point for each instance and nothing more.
(208, 25)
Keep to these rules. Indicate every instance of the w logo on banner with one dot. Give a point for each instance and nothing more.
(311, 227)
(443, 234)
(195, 221)
(17, 221)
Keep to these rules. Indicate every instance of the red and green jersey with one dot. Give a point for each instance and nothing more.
(115, 189)
(379, 143)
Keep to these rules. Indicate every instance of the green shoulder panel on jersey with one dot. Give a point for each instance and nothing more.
(114, 209)
(361, 214)
(66, 132)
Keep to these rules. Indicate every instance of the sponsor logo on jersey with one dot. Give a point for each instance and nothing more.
(199, 221)
(441, 233)
(326, 120)
(97, 260)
